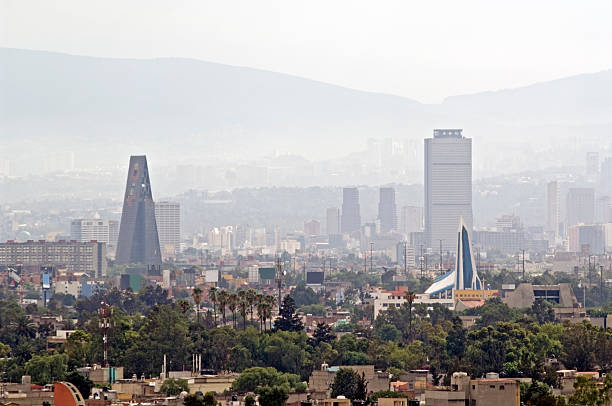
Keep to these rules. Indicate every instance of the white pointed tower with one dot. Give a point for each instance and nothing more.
(466, 275)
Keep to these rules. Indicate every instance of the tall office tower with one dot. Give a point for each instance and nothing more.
(387, 210)
(85, 230)
(333, 221)
(448, 187)
(592, 164)
(351, 214)
(605, 178)
(580, 206)
(138, 238)
(168, 219)
(552, 209)
(411, 219)
(602, 210)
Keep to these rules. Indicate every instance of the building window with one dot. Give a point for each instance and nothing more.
(492, 386)
(501, 387)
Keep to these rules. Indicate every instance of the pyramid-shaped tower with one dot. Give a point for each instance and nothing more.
(138, 239)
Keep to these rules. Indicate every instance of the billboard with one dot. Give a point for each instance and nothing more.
(268, 273)
(315, 277)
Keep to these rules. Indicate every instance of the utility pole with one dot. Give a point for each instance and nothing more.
(601, 291)
(405, 258)
(371, 257)
(421, 260)
(440, 255)
(279, 281)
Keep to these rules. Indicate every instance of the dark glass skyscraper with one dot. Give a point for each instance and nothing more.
(387, 210)
(138, 238)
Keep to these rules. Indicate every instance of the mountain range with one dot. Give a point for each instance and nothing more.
(189, 110)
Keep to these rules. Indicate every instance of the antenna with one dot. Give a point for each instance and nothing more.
(105, 313)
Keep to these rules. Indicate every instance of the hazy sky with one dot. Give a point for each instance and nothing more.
(425, 50)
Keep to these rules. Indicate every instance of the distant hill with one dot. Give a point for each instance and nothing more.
(190, 110)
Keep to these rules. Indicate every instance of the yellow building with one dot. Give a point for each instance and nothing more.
(473, 294)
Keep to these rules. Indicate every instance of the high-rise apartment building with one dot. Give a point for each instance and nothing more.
(138, 238)
(387, 210)
(552, 209)
(411, 219)
(580, 206)
(88, 257)
(351, 213)
(101, 230)
(448, 187)
(333, 221)
(168, 218)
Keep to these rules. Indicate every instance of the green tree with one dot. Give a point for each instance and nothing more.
(209, 399)
(174, 387)
(212, 296)
(193, 400)
(46, 369)
(303, 296)
(323, 334)
(77, 347)
(249, 400)
(288, 320)
(389, 332)
(257, 377)
(82, 383)
(196, 294)
(350, 384)
(587, 392)
(543, 311)
(272, 396)
(580, 345)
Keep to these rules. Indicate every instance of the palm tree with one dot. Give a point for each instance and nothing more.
(24, 328)
(223, 298)
(259, 304)
(270, 301)
(410, 296)
(242, 305)
(233, 304)
(212, 296)
(251, 296)
(196, 294)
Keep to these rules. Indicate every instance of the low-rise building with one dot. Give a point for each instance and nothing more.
(476, 392)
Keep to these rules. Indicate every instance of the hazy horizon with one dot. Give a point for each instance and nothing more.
(426, 52)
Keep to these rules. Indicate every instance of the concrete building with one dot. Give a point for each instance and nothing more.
(312, 227)
(448, 186)
(321, 380)
(553, 209)
(333, 221)
(350, 220)
(605, 178)
(580, 206)
(506, 242)
(588, 239)
(101, 230)
(476, 392)
(525, 295)
(87, 257)
(387, 210)
(168, 218)
(411, 219)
